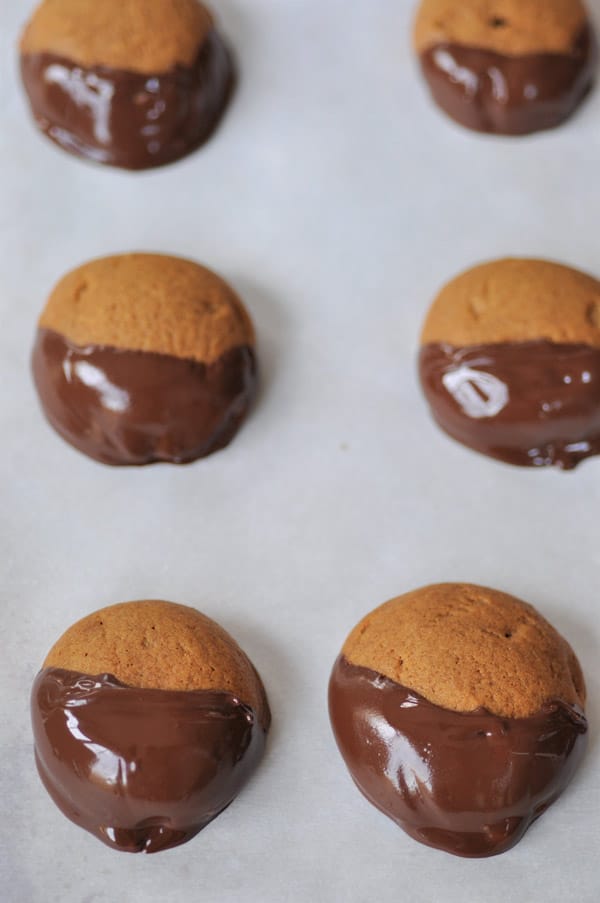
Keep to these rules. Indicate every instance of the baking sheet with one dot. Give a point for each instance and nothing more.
(337, 200)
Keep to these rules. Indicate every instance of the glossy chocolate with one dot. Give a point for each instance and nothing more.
(136, 407)
(509, 95)
(128, 119)
(470, 784)
(143, 770)
(533, 404)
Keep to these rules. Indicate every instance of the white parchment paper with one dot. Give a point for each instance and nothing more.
(337, 200)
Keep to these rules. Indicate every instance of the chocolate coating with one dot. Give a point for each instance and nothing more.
(467, 783)
(125, 118)
(142, 770)
(137, 407)
(509, 95)
(527, 403)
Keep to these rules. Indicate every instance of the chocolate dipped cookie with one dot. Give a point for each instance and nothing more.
(506, 66)
(510, 362)
(148, 719)
(141, 358)
(130, 83)
(459, 713)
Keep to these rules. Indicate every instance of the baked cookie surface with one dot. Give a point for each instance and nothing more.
(148, 719)
(130, 83)
(506, 66)
(459, 713)
(142, 357)
(510, 362)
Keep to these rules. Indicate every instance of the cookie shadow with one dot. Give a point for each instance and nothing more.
(594, 10)
(237, 29)
(584, 640)
(281, 681)
(235, 23)
(272, 329)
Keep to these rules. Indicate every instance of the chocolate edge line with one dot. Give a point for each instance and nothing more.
(575, 711)
(264, 722)
(586, 31)
(451, 346)
(249, 345)
(59, 59)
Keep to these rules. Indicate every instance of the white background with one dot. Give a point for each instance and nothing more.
(337, 200)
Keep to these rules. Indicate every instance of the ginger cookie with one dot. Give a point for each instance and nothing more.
(459, 712)
(510, 362)
(148, 719)
(506, 66)
(130, 83)
(141, 358)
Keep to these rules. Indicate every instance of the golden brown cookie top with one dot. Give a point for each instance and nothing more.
(149, 302)
(465, 647)
(510, 27)
(143, 36)
(159, 645)
(516, 300)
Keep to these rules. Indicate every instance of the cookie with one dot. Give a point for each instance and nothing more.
(148, 719)
(459, 713)
(130, 83)
(510, 362)
(142, 357)
(506, 66)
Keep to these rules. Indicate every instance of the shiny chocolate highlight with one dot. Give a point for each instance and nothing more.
(126, 407)
(510, 95)
(532, 404)
(128, 119)
(142, 770)
(470, 784)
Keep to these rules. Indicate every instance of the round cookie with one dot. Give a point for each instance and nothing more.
(130, 83)
(143, 357)
(510, 362)
(506, 66)
(459, 713)
(148, 719)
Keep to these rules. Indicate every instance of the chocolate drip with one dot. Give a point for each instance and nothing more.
(509, 95)
(129, 119)
(527, 403)
(143, 770)
(136, 407)
(470, 784)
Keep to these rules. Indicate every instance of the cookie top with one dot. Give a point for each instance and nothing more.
(516, 300)
(136, 35)
(149, 302)
(159, 645)
(509, 27)
(465, 647)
